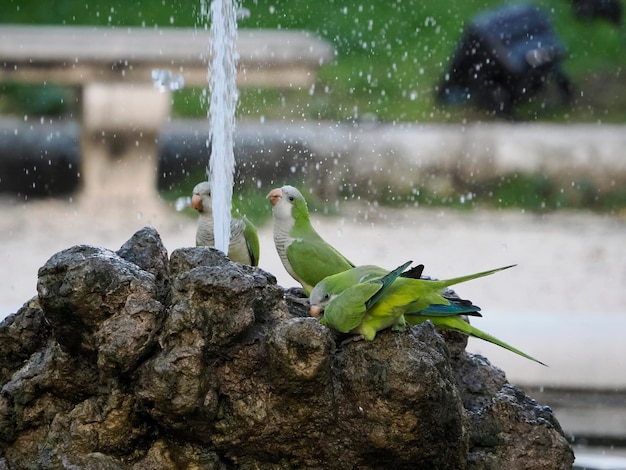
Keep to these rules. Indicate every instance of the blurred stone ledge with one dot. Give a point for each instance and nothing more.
(43, 158)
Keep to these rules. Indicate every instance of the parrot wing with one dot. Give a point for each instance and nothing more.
(252, 241)
(314, 260)
(415, 272)
(386, 282)
(345, 312)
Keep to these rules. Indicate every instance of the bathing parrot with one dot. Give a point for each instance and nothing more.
(368, 299)
(244, 240)
(304, 254)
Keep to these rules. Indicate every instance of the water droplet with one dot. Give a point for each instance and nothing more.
(182, 203)
(165, 80)
(243, 13)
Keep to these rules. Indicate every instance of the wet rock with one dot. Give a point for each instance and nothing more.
(300, 354)
(102, 305)
(146, 250)
(215, 306)
(400, 402)
(297, 302)
(21, 334)
(131, 360)
(51, 382)
(172, 454)
(106, 425)
(528, 429)
(504, 423)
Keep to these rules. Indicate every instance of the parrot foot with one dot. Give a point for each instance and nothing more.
(353, 339)
(400, 325)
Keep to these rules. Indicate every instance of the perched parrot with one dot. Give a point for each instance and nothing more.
(244, 240)
(304, 254)
(368, 299)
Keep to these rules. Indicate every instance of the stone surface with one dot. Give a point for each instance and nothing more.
(129, 360)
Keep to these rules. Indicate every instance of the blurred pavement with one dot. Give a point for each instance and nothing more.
(564, 303)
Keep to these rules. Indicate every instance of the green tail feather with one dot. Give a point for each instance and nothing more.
(456, 323)
(469, 277)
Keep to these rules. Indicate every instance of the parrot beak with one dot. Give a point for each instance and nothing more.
(196, 202)
(274, 195)
(316, 310)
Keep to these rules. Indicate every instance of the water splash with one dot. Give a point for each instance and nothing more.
(223, 97)
(166, 80)
(182, 203)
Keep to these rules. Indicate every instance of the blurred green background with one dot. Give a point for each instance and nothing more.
(391, 54)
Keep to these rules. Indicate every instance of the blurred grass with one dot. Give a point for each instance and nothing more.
(525, 191)
(391, 54)
(532, 192)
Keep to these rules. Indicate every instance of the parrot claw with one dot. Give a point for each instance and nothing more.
(353, 339)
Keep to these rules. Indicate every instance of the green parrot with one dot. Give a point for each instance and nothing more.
(368, 299)
(243, 246)
(304, 254)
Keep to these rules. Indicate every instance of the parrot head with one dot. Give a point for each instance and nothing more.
(320, 297)
(288, 204)
(331, 287)
(201, 197)
(325, 291)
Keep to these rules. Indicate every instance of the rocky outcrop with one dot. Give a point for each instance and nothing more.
(131, 360)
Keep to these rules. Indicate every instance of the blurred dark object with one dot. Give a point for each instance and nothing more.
(42, 158)
(38, 100)
(39, 159)
(610, 10)
(505, 56)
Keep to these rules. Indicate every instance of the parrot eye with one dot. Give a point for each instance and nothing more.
(291, 198)
(326, 296)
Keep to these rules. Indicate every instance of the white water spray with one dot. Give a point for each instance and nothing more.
(223, 95)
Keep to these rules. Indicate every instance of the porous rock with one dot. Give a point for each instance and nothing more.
(131, 360)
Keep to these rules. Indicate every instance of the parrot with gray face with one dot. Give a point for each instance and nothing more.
(367, 299)
(243, 246)
(303, 252)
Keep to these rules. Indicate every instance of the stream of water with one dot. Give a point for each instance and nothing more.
(223, 96)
